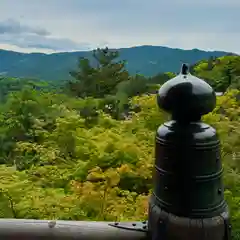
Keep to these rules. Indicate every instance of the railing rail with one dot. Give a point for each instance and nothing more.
(82, 230)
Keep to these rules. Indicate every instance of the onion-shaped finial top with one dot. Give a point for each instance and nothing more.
(186, 97)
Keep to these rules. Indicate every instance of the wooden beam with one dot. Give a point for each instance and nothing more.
(20, 229)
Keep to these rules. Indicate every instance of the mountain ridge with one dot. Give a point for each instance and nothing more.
(147, 60)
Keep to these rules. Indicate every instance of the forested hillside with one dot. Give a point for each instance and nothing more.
(85, 150)
(146, 60)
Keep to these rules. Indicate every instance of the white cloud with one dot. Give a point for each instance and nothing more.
(11, 26)
(24, 36)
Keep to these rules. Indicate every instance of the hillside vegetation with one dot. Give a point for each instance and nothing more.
(146, 60)
(86, 151)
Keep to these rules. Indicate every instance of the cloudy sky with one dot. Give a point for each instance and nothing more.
(67, 25)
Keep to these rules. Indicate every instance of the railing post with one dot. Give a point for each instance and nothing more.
(187, 202)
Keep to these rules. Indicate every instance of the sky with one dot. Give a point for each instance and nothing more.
(70, 25)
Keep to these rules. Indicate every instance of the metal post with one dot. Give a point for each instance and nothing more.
(188, 196)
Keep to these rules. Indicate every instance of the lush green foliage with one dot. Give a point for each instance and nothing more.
(65, 157)
(220, 73)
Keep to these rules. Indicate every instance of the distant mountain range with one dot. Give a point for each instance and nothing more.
(146, 60)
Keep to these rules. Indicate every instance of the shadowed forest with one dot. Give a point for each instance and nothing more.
(83, 149)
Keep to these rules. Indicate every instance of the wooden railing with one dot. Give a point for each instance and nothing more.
(21, 229)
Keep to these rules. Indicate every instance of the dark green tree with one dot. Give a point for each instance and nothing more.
(136, 85)
(100, 80)
(84, 79)
(161, 78)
